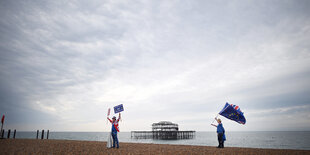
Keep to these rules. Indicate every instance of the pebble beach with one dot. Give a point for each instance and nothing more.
(34, 146)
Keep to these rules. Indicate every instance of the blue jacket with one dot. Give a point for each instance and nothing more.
(220, 128)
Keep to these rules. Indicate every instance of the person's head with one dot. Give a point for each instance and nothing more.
(219, 121)
(113, 118)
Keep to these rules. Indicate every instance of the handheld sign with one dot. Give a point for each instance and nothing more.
(118, 108)
(109, 112)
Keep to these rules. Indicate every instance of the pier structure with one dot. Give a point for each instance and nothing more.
(163, 130)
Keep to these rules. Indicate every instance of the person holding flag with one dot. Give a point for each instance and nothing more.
(232, 112)
(220, 133)
(115, 129)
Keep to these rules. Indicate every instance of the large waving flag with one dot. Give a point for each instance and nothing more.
(233, 112)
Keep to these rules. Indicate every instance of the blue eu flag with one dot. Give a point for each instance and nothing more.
(118, 108)
(233, 112)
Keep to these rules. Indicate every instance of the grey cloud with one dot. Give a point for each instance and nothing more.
(69, 60)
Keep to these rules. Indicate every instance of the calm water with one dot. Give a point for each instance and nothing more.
(261, 139)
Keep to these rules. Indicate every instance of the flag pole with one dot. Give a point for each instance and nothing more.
(218, 113)
(214, 119)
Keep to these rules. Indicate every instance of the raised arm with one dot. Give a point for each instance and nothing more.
(109, 119)
(119, 116)
(214, 125)
(216, 118)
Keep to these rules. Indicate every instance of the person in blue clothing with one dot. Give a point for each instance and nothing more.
(115, 129)
(220, 133)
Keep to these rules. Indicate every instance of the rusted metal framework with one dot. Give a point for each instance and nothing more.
(165, 126)
(163, 130)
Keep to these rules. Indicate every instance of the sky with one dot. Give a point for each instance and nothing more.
(64, 63)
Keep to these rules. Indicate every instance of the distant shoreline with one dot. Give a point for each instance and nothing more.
(33, 146)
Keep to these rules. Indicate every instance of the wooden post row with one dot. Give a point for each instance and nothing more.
(14, 134)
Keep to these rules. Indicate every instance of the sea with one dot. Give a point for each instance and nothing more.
(250, 139)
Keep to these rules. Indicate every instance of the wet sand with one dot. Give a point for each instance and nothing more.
(33, 146)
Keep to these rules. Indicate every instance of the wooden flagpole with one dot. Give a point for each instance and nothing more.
(218, 114)
(214, 119)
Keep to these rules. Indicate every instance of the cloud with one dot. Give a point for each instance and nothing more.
(65, 63)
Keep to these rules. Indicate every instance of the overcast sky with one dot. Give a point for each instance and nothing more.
(64, 63)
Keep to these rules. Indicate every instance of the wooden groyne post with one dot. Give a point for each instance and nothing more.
(14, 134)
(2, 134)
(37, 134)
(48, 132)
(42, 136)
(9, 133)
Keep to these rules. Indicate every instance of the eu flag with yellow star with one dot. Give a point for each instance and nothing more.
(233, 112)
